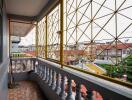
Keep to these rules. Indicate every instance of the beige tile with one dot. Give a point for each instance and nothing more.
(26, 90)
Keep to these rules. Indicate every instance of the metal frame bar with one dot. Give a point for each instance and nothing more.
(62, 34)
(37, 40)
(46, 40)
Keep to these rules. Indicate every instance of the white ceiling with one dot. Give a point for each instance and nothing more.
(25, 7)
(28, 8)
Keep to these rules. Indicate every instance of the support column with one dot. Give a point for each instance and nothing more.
(37, 40)
(46, 40)
(61, 34)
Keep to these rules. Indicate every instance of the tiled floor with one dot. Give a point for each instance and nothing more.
(25, 90)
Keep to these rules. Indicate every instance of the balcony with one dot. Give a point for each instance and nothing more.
(75, 50)
(66, 84)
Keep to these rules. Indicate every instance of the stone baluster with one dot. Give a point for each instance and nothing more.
(25, 66)
(21, 66)
(62, 93)
(69, 92)
(15, 64)
(44, 72)
(33, 65)
(36, 66)
(38, 69)
(89, 94)
(46, 68)
(47, 75)
(53, 84)
(78, 91)
(18, 65)
(50, 77)
(41, 74)
(30, 64)
(58, 89)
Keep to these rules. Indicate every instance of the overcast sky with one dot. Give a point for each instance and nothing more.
(29, 39)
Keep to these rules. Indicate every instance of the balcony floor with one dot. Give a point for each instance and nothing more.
(25, 90)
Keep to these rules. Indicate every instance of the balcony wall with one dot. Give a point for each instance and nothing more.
(56, 83)
(5, 57)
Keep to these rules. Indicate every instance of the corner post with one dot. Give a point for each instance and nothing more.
(46, 39)
(37, 40)
(61, 30)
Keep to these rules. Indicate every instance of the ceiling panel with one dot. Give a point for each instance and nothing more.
(18, 28)
(25, 7)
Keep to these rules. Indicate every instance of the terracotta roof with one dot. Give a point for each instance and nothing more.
(71, 52)
(66, 60)
(32, 53)
(119, 46)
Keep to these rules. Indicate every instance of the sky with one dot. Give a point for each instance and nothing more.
(29, 39)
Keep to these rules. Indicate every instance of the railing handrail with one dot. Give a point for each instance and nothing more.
(19, 58)
(123, 83)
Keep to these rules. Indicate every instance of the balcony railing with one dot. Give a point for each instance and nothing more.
(69, 84)
(22, 64)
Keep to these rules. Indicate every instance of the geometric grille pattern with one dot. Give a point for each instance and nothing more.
(41, 38)
(53, 24)
(95, 23)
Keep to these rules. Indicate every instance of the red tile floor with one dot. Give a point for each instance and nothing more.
(25, 90)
